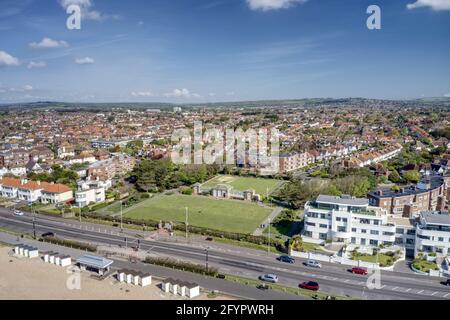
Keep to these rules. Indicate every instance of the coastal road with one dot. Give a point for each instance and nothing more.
(333, 278)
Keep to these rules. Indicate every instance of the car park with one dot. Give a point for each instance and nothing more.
(313, 264)
(286, 259)
(309, 285)
(359, 270)
(269, 278)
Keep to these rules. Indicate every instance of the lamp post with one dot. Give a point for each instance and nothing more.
(186, 222)
(268, 239)
(34, 221)
(207, 258)
(121, 217)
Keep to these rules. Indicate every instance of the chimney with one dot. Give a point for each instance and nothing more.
(23, 181)
(380, 192)
(38, 183)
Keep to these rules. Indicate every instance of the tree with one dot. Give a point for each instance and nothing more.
(394, 176)
(412, 176)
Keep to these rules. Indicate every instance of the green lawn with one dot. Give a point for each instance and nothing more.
(225, 215)
(260, 185)
(383, 259)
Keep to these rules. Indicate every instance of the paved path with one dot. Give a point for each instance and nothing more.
(275, 212)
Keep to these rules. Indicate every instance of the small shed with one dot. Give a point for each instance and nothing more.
(65, 261)
(96, 264)
(134, 277)
(182, 288)
(26, 251)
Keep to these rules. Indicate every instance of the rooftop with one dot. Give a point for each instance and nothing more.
(436, 217)
(431, 184)
(343, 200)
(94, 261)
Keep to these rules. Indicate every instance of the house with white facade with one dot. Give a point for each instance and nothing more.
(86, 195)
(433, 233)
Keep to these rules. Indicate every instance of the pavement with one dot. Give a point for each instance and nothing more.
(333, 278)
(275, 212)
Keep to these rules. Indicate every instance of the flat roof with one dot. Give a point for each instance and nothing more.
(94, 261)
(436, 217)
(180, 283)
(434, 182)
(343, 200)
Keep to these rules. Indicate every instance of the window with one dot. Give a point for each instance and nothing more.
(364, 221)
(376, 222)
(441, 239)
(311, 224)
(375, 232)
(341, 229)
(323, 226)
(353, 240)
(344, 219)
(338, 219)
(411, 232)
(399, 230)
(363, 231)
(373, 242)
(323, 216)
(353, 229)
(386, 233)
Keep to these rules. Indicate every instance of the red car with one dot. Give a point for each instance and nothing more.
(358, 270)
(309, 285)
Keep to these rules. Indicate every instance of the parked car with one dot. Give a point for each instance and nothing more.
(262, 286)
(18, 213)
(269, 278)
(359, 270)
(313, 264)
(309, 285)
(286, 259)
(47, 234)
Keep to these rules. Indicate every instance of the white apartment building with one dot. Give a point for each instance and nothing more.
(433, 233)
(347, 220)
(87, 195)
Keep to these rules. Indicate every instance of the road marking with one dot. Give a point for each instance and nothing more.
(394, 288)
(420, 292)
(382, 286)
(446, 295)
(434, 293)
(408, 290)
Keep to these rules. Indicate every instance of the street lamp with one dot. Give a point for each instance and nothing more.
(186, 222)
(268, 239)
(121, 217)
(207, 258)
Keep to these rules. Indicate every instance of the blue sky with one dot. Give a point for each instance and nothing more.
(191, 51)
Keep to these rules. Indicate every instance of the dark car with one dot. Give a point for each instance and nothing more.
(447, 283)
(48, 234)
(359, 270)
(309, 285)
(286, 259)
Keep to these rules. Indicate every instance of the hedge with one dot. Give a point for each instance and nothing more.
(69, 243)
(182, 265)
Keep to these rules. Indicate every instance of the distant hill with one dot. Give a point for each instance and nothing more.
(307, 102)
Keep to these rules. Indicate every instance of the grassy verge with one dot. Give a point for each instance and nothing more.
(286, 289)
(424, 266)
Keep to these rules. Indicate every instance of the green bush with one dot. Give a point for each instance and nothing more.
(182, 265)
(70, 243)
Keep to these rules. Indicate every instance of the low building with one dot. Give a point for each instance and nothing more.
(96, 264)
(296, 160)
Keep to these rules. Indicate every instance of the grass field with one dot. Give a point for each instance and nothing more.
(225, 215)
(260, 185)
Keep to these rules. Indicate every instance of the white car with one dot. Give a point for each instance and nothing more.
(269, 278)
(313, 264)
(18, 213)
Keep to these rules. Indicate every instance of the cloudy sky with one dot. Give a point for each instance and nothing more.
(222, 50)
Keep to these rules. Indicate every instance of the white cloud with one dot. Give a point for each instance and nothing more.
(447, 95)
(48, 43)
(8, 60)
(22, 89)
(36, 64)
(266, 5)
(86, 60)
(182, 93)
(436, 5)
(211, 94)
(86, 10)
(142, 94)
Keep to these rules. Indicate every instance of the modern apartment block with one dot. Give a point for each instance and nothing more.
(430, 194)
(353, 220)
(433, 233)
(347, 220)
(86, 195)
